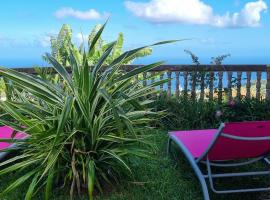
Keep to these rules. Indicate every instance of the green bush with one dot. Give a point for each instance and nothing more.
(83, 128)
(246, 110)
(186, 113)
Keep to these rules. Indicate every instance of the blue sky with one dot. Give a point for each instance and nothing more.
(238, 27)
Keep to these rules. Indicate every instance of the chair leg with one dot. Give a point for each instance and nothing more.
(194, 166)
(202, 182)
(205, 193)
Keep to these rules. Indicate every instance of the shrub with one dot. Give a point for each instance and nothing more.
(82, 128)
(186, 113)
(246, 110)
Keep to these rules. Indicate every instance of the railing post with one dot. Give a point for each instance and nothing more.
(239, 78)
(248, 95)
(193, 85)
(177, 84)
(169, 91)
(229, 85)
(202, 86)
(220, 86)
(185, 83)
(144, 79)
(211, 86)
(153, 77)
(267, 92)
(258, 85)
(137, 78)
(161, 85)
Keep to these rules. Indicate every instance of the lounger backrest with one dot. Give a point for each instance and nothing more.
(226, 148)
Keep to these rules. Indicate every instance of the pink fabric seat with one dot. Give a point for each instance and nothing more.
(196, 141)
(6, 133)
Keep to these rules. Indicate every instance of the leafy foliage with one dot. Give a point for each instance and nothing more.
(62, 46)
(84, 127)
(219, 59)
(194, 58)
(203, 78)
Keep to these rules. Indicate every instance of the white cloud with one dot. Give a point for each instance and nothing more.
(83, 15)
(196, 12)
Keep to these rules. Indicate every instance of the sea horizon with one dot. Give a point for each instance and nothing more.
(31, 62)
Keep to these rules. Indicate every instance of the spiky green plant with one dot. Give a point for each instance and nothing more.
(83, 128)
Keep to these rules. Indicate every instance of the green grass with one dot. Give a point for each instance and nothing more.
(159, 179)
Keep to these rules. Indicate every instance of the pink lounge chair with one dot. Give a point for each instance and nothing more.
(232, 145)
(6, 133)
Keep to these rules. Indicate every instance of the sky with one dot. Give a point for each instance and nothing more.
(213, 27)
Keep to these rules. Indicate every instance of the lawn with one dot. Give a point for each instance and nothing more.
(157, 179)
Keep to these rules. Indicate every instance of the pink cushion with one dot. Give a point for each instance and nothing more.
(196, 141)
(6, 133)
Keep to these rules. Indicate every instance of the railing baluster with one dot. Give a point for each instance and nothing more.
(161, 85)
(185, 83)
(211, 86)
(267, 92)
(229, 85)
(239, 78)
(177, 84)
(193, 84)
(220, 85)
(258, 85)
(169, 91)
(144, 79)
(202, 86)
(137, 78)
(153, 77)
(248, 85)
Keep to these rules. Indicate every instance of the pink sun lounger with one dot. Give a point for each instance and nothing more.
(6, 132)
(232, 145)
